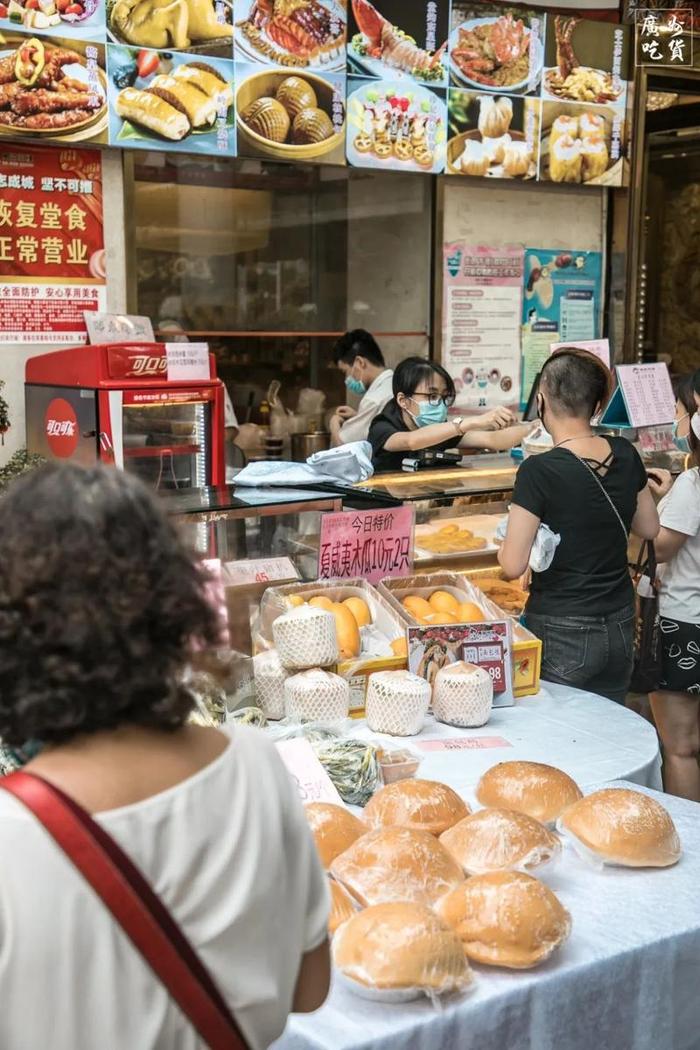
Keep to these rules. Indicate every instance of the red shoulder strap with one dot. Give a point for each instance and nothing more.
(134, 905)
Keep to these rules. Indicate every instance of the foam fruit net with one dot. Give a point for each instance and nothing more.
(306, 637)
(270, 677)
(463, 699)
(316, 696)
(397, 703)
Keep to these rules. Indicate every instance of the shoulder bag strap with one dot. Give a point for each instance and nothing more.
(134, 905)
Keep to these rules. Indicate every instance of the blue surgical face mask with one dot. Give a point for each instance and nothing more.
(429, 414)
(354, 385)
(681, 443)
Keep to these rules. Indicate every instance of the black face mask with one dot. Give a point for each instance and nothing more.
(540, 410)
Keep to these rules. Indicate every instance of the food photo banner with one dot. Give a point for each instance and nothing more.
(484, 90)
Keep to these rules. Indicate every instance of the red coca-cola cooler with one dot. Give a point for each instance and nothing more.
(131, 405)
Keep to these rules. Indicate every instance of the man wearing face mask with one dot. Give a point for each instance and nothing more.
(417, 418)
(359, 358)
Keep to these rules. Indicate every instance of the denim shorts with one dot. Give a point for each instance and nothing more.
(588, 652)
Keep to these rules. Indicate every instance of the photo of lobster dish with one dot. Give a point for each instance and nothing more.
(296, 34)
(496, 54)
(46, 90)
(382, 47)
(571, 80)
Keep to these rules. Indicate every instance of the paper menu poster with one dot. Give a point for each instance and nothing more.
(599, 347)
(482, 293)
(643, 397)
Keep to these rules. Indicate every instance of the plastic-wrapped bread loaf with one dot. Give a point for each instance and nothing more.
(500, 840)
(425, 805)
(397, 703)
(396, 864)
(342, 907)
(462, 695)
(270, 677)
(400, 946)
(334, 828)
(306, 637)
(316, 696)
(506, 919)
(541, 791)
(622, 827)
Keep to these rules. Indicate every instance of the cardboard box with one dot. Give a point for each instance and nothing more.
(356, 671)
(527, 649)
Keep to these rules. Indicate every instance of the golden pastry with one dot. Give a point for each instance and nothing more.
(382, 149)
(267, 117)
(208, 80)
(403, 149)
(311, 125)
(516, 159)
(153, 113)
(424, 157)
(296, 94)
(363, 143)
(565, 160)
(200, 109)
(594, 156)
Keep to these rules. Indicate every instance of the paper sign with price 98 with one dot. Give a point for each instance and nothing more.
(488, 646)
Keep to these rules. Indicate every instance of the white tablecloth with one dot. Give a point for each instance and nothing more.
(627, 979)
(590, 738)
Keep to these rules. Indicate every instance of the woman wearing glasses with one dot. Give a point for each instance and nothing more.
(416, 419)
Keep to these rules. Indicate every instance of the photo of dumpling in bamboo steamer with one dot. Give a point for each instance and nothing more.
(290, 116)
(195, 26)
(492, 136)
(583, 144)
(498, 53)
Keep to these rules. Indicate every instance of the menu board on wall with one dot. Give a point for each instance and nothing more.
(52, 257)
(290, 80)
(481, 323)
(561, 303)
(473, 89)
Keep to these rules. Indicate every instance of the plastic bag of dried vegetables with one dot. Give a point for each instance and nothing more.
(249, 716)
(353, 767)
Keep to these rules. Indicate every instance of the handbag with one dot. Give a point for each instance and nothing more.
(141, 914)
(646, 667)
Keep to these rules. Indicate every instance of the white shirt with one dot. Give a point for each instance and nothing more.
(229, 415)
(378, 393)
(680, 585)
(231, 855)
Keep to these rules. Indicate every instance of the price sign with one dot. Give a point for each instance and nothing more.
(311, 779)
(643, 398)
(368, 543)
(488, 654)
(259, 570)
(187, 362)
(118, 328)
(464, 743)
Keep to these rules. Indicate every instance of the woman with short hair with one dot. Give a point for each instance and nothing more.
(101, 607)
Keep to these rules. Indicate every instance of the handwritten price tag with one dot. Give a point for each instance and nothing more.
(369, 543)
(464, 743)
(311, 779)
(259, 570)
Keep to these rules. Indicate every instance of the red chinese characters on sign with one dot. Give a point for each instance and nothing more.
(61, 424)
(369, 543)
(52, 257)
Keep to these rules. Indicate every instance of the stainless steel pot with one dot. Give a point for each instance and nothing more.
(304, 445)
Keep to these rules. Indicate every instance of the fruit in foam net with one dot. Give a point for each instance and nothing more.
(443, 601)
(320, 601)
(417, 606)
(359, 609)
(347, 631)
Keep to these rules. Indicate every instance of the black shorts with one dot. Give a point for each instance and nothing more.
(680, 645)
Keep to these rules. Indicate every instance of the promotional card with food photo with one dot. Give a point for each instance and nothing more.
(200, 27)
(486, 645)
(52, 89)
(71, 19)
(290, 116)
(492, 135)
(167, 100)
(391, 39)
(495, 47)
(305, 34)
(397, 125)
(583, 144)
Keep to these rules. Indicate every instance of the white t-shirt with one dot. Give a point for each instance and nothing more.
(378, 393)
(228, 851)
(680, 585)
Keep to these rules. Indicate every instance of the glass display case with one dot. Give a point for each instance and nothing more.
(166, 444)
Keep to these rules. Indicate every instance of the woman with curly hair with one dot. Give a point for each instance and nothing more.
(100, 607)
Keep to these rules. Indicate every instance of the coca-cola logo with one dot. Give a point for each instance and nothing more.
(143, 365)
(61, 425)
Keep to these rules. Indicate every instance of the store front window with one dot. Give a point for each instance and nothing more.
(269, 263)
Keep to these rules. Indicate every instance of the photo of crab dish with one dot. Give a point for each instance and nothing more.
(293, 34)
(389, 38)
(47, 89)
(503, 52)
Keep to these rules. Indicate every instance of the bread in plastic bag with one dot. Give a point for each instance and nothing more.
(400, 948)
(540, 790)
(334, 829)
(500, 840)
(397, 864)
(425, 805)
(506, 918)
(342, 906)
